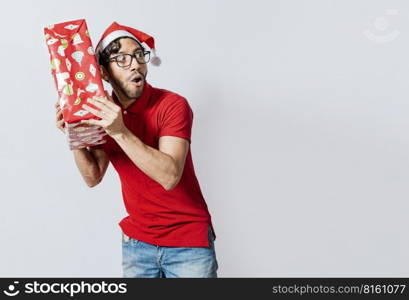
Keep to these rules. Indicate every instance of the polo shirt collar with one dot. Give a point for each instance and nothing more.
(139, 104)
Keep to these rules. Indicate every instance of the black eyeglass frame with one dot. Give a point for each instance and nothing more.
(146, 52)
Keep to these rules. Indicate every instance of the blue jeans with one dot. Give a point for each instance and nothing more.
(143, 260)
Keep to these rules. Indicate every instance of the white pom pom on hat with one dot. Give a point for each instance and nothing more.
(156, 61)
(116, 30)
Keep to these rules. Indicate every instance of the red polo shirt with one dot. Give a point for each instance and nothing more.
(178, 217)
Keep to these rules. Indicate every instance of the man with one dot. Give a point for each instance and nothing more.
(168, 232)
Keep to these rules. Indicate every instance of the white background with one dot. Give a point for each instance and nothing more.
(300, 139)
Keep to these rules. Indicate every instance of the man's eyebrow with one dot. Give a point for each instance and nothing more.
(134, 50)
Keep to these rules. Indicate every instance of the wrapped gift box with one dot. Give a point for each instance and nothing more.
(77, 78)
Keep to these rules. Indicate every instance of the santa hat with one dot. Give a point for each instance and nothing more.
(116, 30)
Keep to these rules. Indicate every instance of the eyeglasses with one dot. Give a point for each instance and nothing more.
(125, 60)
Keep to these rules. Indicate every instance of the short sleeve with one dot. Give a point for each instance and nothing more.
(176, 118)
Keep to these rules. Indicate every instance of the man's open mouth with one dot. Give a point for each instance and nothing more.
(137, 79)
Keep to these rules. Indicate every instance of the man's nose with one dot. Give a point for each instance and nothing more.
(135, 65)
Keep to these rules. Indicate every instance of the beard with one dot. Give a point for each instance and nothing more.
(130, 89)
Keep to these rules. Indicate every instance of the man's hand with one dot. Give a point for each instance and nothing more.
(58, 117)
(109, 112)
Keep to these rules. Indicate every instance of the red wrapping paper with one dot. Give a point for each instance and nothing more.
(77, 78)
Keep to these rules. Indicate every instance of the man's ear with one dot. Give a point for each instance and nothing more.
(104, 73)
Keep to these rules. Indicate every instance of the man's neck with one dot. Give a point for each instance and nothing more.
(124, 100)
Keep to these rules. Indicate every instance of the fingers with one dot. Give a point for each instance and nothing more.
(61, 125)
(99, 113)
(105, 110)
(92, 122)
(58, 115)
(107, 101)
(103, 107)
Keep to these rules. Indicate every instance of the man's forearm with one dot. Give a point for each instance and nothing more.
(159, 166)
(87, 165)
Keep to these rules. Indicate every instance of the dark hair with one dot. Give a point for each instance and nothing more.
(113, 48)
